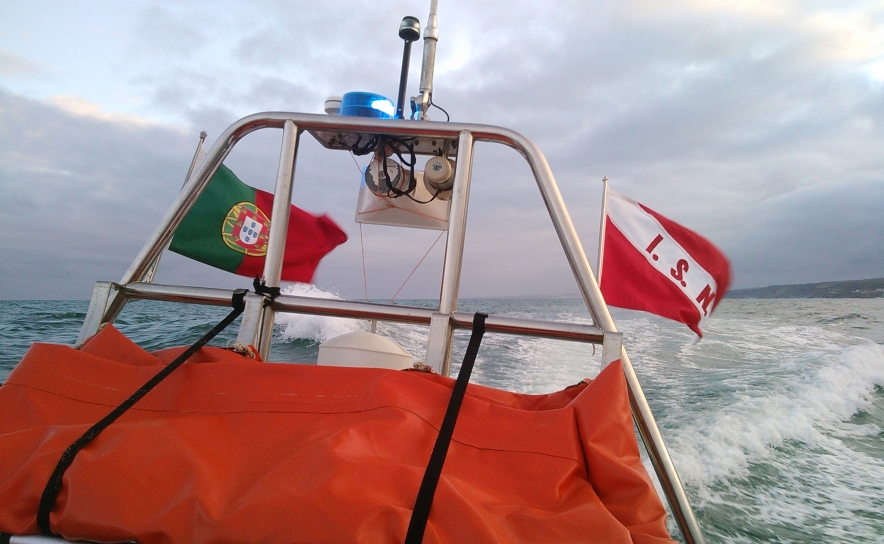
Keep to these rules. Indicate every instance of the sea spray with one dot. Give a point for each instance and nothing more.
(315, 328)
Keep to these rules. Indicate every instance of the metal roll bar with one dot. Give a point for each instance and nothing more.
(414, 315)
(335, 132)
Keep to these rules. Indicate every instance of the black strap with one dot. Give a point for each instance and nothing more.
(261, 288)
(50, 492)
(5, 538)
(424, 502)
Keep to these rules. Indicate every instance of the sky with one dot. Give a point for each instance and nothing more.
(759, 124)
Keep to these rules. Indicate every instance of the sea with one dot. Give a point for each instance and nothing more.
(774, 420)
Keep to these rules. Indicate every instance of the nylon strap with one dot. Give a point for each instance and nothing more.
(50, 492)
(261, 288)
(424, 501)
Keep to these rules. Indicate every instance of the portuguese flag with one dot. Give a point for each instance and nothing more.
(229, 225)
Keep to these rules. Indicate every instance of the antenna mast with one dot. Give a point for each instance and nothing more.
(409, 30)
(421, 103)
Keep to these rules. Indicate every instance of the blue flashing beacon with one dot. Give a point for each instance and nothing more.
(363, 104)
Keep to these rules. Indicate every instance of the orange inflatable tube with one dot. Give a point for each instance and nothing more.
(229, 449)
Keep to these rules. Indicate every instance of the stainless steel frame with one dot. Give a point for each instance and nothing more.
(335, 132)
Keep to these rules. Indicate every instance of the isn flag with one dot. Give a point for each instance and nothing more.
(653, 264)
(229, 226)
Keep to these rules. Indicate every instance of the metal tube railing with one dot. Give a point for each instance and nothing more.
(321, 126)
(439, 342)
(208, 296)
(575, 332)
(282, 205)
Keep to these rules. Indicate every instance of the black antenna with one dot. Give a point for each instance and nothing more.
(410, 31)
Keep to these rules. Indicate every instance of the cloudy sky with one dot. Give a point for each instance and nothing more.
(759, 124)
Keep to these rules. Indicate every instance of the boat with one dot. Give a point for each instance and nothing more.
(105, 442)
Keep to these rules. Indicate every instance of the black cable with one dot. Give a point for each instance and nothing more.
(384, 143)
(432, 198)
(447, 117)
(412, 183)
(364, 149)
(53, 486)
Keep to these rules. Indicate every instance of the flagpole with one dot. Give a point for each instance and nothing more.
(601, 316)
(148, 276)
(598, 271)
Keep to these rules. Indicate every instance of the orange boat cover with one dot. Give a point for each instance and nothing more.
(229, 449)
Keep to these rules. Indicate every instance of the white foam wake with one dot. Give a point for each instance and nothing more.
(315, 328)
(724, 442)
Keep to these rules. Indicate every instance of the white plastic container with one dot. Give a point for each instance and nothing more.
(364, 349)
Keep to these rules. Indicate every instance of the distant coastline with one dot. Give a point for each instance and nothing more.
(873, 288)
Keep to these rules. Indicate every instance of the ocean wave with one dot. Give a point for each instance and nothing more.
(727, 440)
(841, 319)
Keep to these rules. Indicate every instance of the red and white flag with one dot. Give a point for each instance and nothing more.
(653, 264)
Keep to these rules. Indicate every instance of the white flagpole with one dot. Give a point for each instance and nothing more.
(604, 221)
(198, 155)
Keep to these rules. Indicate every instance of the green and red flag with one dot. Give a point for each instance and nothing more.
(229, 226)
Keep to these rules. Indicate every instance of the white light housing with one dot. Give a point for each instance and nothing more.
(439, 176)
(333, 105)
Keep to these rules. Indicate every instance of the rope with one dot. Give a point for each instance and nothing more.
(362, 238)
(355, 162)
(416, 267)
(361, 241)
(364, 274)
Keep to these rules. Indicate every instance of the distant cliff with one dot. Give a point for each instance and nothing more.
(830, 289)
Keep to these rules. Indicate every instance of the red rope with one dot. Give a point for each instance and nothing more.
(361, 242)
(364, 275)
(418, 264)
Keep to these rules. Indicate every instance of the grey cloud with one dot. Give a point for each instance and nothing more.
(85, 194)
(750, 130)
(708, 146)
(818, 234)
(12, 65)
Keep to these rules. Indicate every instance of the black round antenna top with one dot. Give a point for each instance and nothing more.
(410, 29)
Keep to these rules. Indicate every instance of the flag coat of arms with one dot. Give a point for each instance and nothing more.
(653, 264)
(229, 227)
